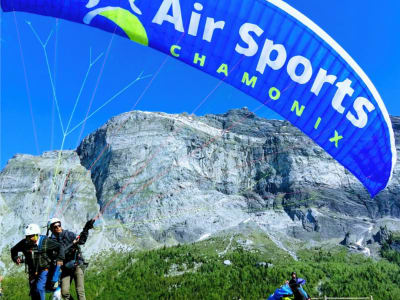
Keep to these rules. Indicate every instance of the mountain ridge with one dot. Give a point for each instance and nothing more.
(162, 179)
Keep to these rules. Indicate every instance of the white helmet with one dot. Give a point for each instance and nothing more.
(32, 229)
(53, 221)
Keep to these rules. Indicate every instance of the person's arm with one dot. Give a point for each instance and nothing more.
(14, 251)
(52, 245)
(85, 232)
(70, 237)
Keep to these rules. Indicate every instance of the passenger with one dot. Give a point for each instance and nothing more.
(40, 255)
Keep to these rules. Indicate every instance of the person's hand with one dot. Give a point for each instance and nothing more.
(59, 263)
(89, 224)
(19, 260)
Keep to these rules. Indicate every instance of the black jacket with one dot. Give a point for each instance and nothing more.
(295, 284)
(72, 251)
(38, 259)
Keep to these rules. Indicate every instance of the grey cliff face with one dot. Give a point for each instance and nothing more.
(175, 178)
(165, 179)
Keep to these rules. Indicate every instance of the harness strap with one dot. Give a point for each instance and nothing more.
(37, 258)
(41, 239)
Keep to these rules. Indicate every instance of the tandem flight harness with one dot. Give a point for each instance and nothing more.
(43, 263)
(77, 258)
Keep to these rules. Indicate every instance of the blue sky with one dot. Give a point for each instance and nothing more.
(368, 31)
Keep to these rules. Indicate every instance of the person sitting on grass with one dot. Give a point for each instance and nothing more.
(296, 285)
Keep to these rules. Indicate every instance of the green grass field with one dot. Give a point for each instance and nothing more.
(197, 271)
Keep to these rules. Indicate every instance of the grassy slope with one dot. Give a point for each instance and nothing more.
(197, 271)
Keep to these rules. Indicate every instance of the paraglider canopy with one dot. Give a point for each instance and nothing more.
(268, 50)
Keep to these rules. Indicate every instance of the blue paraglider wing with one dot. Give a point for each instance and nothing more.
(266, 49)
(280, 292)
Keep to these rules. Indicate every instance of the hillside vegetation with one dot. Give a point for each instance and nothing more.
(202, 271)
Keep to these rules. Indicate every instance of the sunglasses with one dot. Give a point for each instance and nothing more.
(56, 226)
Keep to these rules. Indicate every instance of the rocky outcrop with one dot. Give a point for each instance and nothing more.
(382, 236)
(387, 239)
(162, 179)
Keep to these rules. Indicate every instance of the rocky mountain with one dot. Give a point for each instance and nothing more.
(157, 179)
